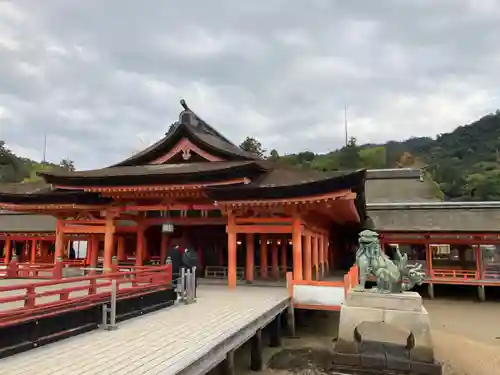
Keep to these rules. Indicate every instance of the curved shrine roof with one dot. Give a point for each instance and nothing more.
(190, 126)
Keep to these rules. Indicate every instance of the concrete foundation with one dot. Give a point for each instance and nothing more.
(403, 311)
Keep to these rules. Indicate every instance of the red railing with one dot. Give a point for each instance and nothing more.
(15, 270)
(351, 279)
(454, 274)
(76, 292)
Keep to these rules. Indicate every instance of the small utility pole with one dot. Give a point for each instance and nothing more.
(44, 158)
(345, 125)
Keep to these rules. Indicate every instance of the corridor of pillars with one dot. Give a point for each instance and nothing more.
(268, 256)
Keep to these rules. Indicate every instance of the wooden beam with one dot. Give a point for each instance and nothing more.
(186, 221)
(151, 188)
(259, 220)
(265, 229)
(80, 229)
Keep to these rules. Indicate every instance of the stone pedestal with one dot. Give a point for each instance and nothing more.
(404, 311)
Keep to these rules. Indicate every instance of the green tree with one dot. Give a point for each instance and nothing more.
(252, 145)
(11, 167)
(273, 155)
(349, 157)
(373, 157)
(68, 165)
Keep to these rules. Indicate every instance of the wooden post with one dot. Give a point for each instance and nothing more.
(109, 241)
(326, 249)
(315, 257)
(94, 248)
(275, 334)
(228, 364)
(120, 248)
(231, 251)
(321, 253)
(284, 265)
(7, 250)
(297, 248)
(428, 260)
(479, 262)
(139, 252)
(163, 249)
(275, 259)
(307, 257)
(59, 251)
(250, 257)
(256, 360)
(33, 251)
(263, 257)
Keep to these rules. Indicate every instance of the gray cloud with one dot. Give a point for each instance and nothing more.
(104, 79)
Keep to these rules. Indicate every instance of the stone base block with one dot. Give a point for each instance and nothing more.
(407, 301)
(423, 368)
(404, 311)
(373, 360)
(397, 363)
(347, 359)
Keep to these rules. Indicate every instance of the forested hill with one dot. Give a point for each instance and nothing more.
(465, 164)
(14, 168)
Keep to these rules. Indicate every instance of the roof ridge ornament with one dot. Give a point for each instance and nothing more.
(187, 116)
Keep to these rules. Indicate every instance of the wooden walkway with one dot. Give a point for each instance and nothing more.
(184, 339)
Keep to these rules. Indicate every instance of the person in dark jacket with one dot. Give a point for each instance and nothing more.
(190, 260)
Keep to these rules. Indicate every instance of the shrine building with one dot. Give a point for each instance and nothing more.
(246, 217)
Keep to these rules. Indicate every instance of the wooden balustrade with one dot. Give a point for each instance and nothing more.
(454, 274)
(52, 297)
(351, 279)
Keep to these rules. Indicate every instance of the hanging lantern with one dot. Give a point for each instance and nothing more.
(167, 228)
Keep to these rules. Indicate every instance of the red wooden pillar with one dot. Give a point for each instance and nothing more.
(250, 257)
(231, 251)
(7, 250)
(428, 258)
(307, 257)
(479, 262)
(284, 243)
(263, 257)
(94, 250)
(139, 252)
(120, 248)
(315, 257)
(275, 259)
(58, 254)
(109, 242)
(321, 254)
(33, 251)
(326, 249)
(297, 248)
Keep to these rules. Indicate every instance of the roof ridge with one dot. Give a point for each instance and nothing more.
(202, 124)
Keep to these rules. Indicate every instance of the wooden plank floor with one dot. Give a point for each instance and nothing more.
(156, 343)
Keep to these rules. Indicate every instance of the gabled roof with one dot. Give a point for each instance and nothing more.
(435, 216)
(177, 174)
(399, 185)
(190, 126)
(13, 222)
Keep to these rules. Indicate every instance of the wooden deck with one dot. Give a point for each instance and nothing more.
(184, 339)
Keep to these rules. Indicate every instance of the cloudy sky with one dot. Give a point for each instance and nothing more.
(104, 78)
